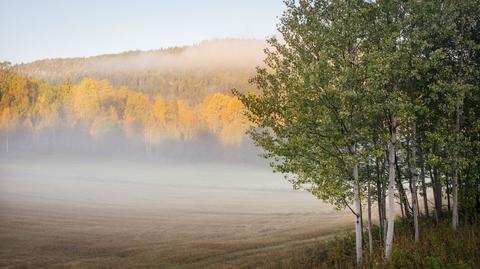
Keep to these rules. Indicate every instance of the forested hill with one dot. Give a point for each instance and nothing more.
(189, 72)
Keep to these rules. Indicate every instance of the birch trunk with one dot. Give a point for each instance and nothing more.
(413, 171)
(391, 187)
(369, 202)
(384, 206)
(380, 202)
(455, 198)
(437, 188)
(448, 190)
(435, 194)
(455, 172)
(403, 195)
(438, 191)
(358, 213)
(424, 185)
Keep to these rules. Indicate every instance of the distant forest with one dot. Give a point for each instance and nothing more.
(190, 73)
(95, 115)
(153, 102)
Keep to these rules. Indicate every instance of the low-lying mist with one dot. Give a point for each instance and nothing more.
(77, 142)
(157, 173)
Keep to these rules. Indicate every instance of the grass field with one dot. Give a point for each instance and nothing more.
(98, 213)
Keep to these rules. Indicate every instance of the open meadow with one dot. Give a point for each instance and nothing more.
(101, 213)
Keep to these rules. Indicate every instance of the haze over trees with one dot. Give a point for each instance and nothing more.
(364, 101)
(142, 100)
(38, 114)
(189, 72)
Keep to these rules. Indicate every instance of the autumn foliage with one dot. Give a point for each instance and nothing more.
(96, 107)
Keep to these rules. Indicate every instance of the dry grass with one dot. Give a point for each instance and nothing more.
(63, 222)
(35, 236)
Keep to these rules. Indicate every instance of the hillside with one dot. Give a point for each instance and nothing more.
(189, 72)
(92, 116)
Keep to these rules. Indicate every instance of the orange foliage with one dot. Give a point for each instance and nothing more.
(101, 109)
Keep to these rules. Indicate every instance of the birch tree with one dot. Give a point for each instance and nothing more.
(310, 114)
(386, 79)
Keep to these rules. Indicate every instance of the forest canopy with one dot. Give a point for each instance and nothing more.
(35, 111)
(190, 72)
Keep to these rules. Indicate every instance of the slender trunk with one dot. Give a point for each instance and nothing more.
(403, 196)
(391, 186)
(455, 197)
(361, 214)
(413, 171)
(370, 239)
(358, 213)
(438, 186)
(424, 185)
(435, 193)
(455, 170)
(379, 201)
(438, 190)
(384, 205)
(448, 191)
(358, 224)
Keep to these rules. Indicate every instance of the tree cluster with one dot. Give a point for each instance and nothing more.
(34, 109)
(375, 101)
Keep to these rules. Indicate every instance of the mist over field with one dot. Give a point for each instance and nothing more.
(88, 212)
(266, 134)
(142, 158)
(76, 142)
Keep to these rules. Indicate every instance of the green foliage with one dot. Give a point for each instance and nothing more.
(348, 78)
(309, 115)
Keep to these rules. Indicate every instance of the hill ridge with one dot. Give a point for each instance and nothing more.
(187, 72)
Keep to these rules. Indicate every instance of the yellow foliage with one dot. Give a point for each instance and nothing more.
(86, 101)
(100, 108)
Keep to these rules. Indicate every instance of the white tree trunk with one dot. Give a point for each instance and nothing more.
(455, 172)
(424, 186)
(391, 189)
(384, 212)
(358, 213)
(413, 167)
(455, 199)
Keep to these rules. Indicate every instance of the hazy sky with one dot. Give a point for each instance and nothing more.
(32, 30)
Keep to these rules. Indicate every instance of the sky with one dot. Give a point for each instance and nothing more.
(32, 30)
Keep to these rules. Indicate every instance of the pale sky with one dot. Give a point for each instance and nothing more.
(32, 30)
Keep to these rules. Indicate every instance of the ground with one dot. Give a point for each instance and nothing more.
(77, 213)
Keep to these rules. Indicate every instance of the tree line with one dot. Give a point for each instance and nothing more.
(375, 101)
(189, 72)
(34, 108)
